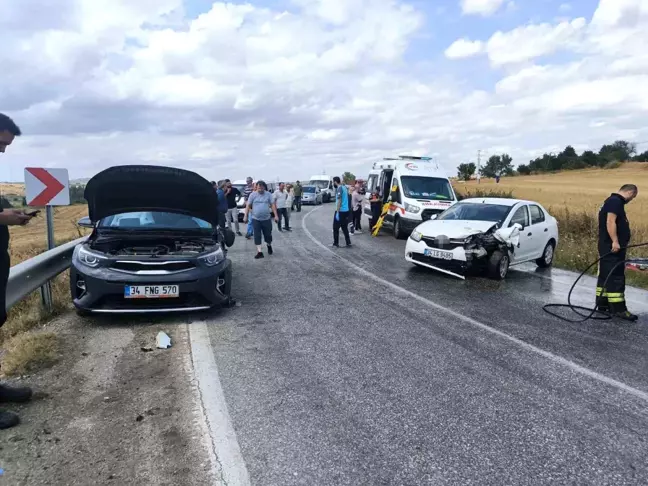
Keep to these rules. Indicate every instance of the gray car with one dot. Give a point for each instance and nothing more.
(154, 246)
(312, 195)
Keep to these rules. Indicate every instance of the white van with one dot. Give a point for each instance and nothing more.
(325, 184)
(421, 190)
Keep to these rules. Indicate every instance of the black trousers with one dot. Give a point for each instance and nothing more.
(357, 218)
(376, 209)
(297, 203)
(610, 286)
(5, 266)
(341, 222)
(285, 215)
(262, 231)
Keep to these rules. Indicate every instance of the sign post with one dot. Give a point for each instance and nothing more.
(47, 187)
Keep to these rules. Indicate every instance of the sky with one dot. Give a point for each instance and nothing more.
(284, 89)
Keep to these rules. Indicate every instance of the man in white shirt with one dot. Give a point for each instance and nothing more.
(280, 198)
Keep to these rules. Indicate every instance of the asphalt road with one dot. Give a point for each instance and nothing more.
(352, 367)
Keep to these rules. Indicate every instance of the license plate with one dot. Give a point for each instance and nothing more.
(443, 255)
(151, 291)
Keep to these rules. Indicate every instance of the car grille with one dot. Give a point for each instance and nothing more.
(454, 266)
(118, 302)
(442, 243)
(427, 213)
(152, 268)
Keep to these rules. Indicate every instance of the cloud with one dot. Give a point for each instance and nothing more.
(326, 84)
(463, 48)
(481, 7)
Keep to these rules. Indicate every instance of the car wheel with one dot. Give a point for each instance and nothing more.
(547, 257)
(398, 230)
(498, 265)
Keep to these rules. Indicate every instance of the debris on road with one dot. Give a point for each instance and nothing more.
(146, 350)
(162, 340)
(139, 418)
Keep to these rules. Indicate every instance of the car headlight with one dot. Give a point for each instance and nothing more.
(416, 235)
(411, 208)
(89, 258)
(213, 258)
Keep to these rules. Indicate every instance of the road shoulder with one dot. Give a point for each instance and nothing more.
(109, 412)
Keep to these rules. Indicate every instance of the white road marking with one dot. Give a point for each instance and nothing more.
(529, 347)
(226, 451)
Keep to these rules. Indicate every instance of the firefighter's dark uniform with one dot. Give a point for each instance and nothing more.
(611, 267)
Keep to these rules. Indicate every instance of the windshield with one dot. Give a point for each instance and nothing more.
(475, 212)
(320, 184)
(309, 188)
(153, 220)
(431, 188)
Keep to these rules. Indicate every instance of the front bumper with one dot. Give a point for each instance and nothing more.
(457, 266)
(309, 200)
(101, 290)
(408, 225)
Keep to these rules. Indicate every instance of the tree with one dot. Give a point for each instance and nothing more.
(642, 157)
(524, 169)
(589, 158)
(348, 178)
(466, 171)
(620, 150)
(498, 165)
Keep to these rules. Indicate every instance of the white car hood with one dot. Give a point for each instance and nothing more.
(454, 228)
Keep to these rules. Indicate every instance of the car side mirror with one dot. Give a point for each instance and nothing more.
(518, 226)
(85, 222)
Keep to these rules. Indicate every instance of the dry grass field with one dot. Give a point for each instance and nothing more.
(573, 197)
(27, 351)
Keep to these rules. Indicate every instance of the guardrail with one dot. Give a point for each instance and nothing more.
(28, 276)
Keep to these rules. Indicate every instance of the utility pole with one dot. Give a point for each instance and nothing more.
(478, 166)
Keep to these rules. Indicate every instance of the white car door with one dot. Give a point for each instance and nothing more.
(540, 229)
(525, 247)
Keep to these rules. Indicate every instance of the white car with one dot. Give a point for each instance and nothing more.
(484, 234)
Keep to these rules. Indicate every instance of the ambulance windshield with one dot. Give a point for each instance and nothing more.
(429, 188)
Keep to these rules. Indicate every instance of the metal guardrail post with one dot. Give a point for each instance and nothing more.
(46, 290)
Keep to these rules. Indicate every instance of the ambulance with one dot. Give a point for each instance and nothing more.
(416, 189)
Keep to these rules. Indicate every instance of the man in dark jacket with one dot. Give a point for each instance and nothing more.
(233, 195)
(298, 192)
(613, 239)
(8, 131)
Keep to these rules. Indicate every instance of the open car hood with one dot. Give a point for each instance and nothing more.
(130, 188)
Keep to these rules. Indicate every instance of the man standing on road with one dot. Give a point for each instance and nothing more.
(250, 187)
(356, 200)
(260, 209)
(222, 204)
(614, 237)
(280, 199)
(298, 191)
(341, 218)
(8, 131)
(232, 194)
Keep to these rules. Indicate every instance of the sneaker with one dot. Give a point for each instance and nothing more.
(335, 245)
(269, 249)
(358, 231)
(626, 316)
(238, 233)
(258, 255)
(8, 419)
(15, 395)
(348, 245)
(287, 229)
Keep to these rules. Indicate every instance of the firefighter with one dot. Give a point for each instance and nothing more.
(614, 237)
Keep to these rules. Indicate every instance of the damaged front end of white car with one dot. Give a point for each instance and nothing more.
(492, 250)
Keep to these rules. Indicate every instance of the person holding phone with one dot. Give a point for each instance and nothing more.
(9, 217)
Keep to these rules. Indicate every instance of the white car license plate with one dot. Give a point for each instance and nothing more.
(443, 255)
(151, 291)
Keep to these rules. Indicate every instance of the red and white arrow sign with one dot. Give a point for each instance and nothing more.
(47, 187)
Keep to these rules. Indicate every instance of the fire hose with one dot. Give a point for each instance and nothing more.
(593, 312)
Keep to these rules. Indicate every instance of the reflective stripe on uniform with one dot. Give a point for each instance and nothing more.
(615, 297)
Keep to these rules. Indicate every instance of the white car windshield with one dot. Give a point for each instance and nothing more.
(153, 220)
(476, 212)
(429, 188)
(320, 184)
